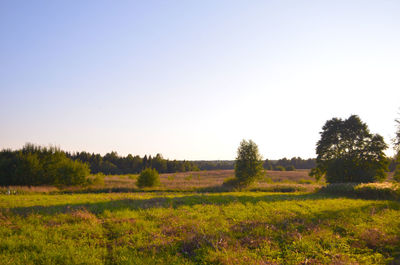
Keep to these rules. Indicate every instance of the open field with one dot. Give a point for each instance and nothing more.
(182, 222)
(214, 178)
(185, 181)
(203, 181)
(191, 228)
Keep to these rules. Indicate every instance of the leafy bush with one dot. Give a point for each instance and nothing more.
(280, 168)
(148, 178)
(97, 179)
(71, 172)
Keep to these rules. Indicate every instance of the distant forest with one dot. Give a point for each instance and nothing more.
(289, 164)
(112, 163)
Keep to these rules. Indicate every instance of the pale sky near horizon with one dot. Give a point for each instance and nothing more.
(191, 79)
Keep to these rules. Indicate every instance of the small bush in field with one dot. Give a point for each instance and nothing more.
(148, 178)
(97, 179)
(71, 172)
(280, 168)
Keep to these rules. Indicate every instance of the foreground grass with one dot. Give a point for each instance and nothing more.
(190, 228)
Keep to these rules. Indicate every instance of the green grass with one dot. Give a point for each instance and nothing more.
(193, 228)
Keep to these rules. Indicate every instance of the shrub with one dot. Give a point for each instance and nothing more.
(280, 168)
(97, 179)
(148, 178)
(71, 172)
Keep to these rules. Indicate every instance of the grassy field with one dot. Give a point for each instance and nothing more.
(209, 180)
(192, 228)
(187, 181)
(180, 223)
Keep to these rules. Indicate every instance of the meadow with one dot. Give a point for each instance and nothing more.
(212, 180)
(188, 226)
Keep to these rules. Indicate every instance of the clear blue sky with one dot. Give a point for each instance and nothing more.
(190, 79)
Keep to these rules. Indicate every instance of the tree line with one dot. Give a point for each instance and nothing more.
(280, 164)
(35, 165)
(114, 164)
(285, 164)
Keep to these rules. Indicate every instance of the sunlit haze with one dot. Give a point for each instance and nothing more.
(191, 79)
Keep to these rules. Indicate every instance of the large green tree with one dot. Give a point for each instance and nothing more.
(248, 164)
(348, 152)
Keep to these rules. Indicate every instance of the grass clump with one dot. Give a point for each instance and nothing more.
(148, 178)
